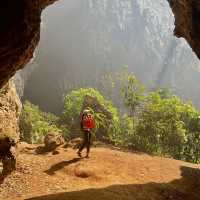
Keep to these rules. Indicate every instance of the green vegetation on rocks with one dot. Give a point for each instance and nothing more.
(73, 105)
(35, 124)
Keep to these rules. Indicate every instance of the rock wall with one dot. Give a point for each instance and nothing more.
(10, 108)
(112, 33)
(19, 34)
(187, 21)
(22, 77)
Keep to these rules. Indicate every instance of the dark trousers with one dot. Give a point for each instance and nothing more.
(86, 141)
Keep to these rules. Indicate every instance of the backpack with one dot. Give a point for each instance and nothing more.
(88, 122)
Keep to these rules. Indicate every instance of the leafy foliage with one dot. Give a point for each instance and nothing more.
(132, 93)
(167, 126)
(35, 124)
(161, 126)
(124, 133)
(156, 122)
(123, 89)
(73, 104)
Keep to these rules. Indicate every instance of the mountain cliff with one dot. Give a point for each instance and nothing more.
(83, 40)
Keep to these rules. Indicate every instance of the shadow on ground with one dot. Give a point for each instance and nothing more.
(61, 165)
(186, 188)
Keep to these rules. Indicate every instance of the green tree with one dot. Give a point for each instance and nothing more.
(191, 117)
(35, 124)
(168, 126)
(125, 132)
(73, 104)
(133, 93)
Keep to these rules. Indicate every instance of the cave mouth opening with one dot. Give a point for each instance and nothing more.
(79, 41)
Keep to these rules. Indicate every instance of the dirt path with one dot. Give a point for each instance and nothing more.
(107, 175)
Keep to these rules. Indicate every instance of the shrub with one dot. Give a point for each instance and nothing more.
(132, 92)
(35, 124)
(124, 132)
(164, 127)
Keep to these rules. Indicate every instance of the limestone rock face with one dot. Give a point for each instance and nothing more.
(112, 33)
(10, 108)
(22, 77)
(187, 21)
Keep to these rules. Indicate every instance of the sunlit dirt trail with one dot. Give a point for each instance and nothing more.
(108, 174)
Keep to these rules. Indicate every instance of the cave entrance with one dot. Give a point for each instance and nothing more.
(83, 40)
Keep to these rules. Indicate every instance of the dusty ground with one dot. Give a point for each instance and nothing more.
(106, 175)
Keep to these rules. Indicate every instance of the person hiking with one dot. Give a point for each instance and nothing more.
(87, 124)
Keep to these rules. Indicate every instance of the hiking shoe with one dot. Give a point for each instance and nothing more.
(79, 154)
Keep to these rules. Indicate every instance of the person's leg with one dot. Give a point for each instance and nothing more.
(83, 143)
(88, 143)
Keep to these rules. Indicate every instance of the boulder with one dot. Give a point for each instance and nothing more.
(53, 140)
